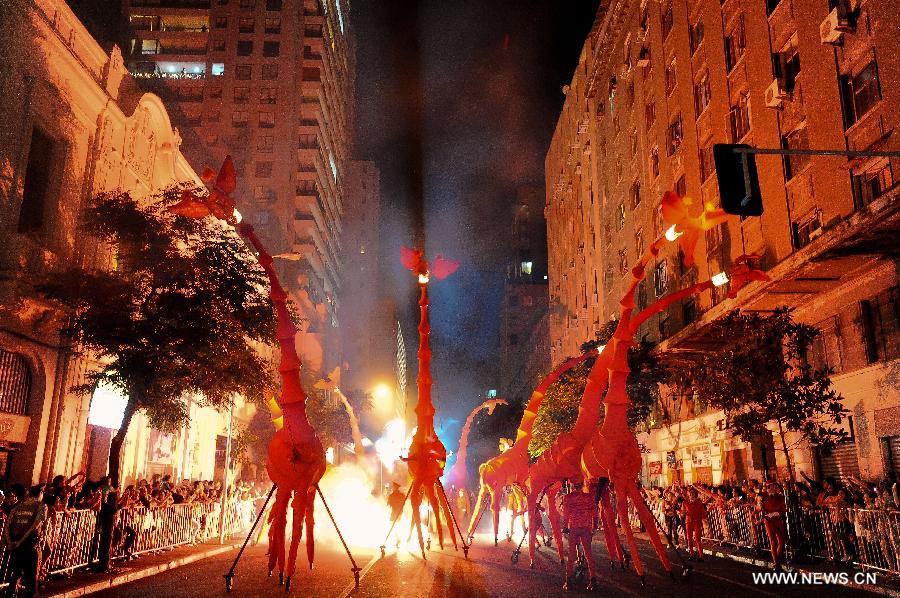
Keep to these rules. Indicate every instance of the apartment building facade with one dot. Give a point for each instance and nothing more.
(657, 84)
(76, 125)
(269, 82)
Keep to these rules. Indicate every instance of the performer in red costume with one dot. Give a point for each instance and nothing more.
(773, 510)
(580, 517)
(694, 511)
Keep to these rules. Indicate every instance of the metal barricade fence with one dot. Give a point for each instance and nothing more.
(71, 538)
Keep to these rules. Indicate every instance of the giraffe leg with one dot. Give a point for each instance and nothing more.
(650, 524)
(277, 529)
(479, 508)
(613, 544)
(553, 516)
(496, 497)
(310, 524)
(436, 510)
(416, 501)
(531, 504)
(622, 509)
(299, 508)
(448, 517)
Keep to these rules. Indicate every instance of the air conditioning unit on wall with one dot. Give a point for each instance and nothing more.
(776, 94)
(835, 25)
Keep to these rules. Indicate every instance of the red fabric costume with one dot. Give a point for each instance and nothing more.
(694, 514)
(774, 509)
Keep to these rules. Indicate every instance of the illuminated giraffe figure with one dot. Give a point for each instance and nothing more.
(458, 474)
(563, 459)
(511, 466)
(427, 455)
(296, 459)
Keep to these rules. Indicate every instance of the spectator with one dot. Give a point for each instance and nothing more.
(22, 537)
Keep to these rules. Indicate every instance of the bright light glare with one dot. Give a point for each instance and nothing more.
(107, 407)
(720, 279)
(381, 392)
(237, 216)
(423, 278)
(672, 234)
(600, 349)
(329, 454)
(392, 444)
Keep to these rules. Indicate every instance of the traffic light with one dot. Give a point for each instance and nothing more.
(738, 187)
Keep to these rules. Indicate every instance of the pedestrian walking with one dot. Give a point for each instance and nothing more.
(694, 513)
(773, 511)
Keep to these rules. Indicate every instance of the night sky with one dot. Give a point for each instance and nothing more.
(456, 103)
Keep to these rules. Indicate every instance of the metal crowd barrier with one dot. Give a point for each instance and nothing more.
(71, 538)
(866, 538)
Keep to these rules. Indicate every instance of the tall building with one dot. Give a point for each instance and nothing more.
(524, 345)
(269, 82)
(657, 84)
(75, 125)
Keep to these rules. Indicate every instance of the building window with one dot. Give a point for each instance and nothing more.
(771, 5)
(261, 193)
(620, 216)
(635, 195)
(241, 95)
(218, 69)
(311, 73)
(623, 262)
(860, 93)
(707, 164)
(639, 243)
(271, 49)
(668, 20)
(243, 72)
(244, 47)
(674, 135)
(246, 25)
(248, 4)
(739, 118)
(270, 72)
(15, 380)
(787, 65)
(214, 93)
(650, 114)
(671, 77)
(36, 189)
(872, 182)
(696, 36)
(266, 120)
(654, 162)
(796, 139)
(263, 170)
(680, 187)
(273, 25)
(880, 325)
(702, 94)
(661, 278)
(238, 118)
(218, 44)
(268, 95)
(735, 44)
(221, 22)
(274, 4)
(265, 143)
(689, 311)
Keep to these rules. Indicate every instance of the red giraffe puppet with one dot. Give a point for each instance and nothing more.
(613, 451)
(510, 468)
(427, 455)
(296, 460)
(458, 475)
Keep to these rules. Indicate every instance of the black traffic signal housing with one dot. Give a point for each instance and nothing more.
(738, 180)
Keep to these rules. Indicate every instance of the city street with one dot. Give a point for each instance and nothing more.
(488, 572)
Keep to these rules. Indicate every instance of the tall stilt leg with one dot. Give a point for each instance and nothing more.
(448, 513)
(230, 575)
(649, 522)
(436, 511)
(416, 492)
(455, 522)
(310, 524)
(622, 509)
(299, 511)
(393, 523)
(353, 566)
(479, 510)
(496, 497)
(554, 517)
(531, 502)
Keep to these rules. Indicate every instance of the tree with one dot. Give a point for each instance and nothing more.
(762, 375)
(178, 313)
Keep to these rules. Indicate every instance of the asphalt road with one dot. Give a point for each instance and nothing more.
(487, 572)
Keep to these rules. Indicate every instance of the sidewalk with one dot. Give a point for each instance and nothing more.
(86, 582)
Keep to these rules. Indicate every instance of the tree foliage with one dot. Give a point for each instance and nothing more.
(178, 313)
(761, 375)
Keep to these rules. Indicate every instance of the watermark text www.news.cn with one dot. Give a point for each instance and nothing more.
(816, 578)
